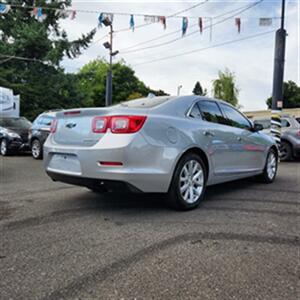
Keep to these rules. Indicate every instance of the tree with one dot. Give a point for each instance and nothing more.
(198, 90)
(40, 81)
(291, 95)
(225, 87)
(126, 86)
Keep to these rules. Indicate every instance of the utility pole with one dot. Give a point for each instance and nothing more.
(109, 46)
(277, 95)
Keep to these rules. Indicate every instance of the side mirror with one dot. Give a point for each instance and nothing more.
(257, 127)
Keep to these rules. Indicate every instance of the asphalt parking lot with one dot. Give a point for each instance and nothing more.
(65, 242)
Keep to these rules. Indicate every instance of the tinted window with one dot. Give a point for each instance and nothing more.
(195, 112)
(15, 123)
(146, 102)
(265, 123)
(234, 118)
(210, 111)
(285, 123)
(46, 120)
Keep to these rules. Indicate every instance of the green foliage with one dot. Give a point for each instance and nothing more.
(291, 95)
(198, 90)
(126, 86)
(225, 87)
(41, 85)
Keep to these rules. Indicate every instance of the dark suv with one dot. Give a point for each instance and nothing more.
(39, 132)
(13, 134)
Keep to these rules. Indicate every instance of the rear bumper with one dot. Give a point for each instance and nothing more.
(146, 168)
(105, 185)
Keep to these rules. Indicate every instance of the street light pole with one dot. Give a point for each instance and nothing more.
(277, 95)
(178, 90)
(108, 94)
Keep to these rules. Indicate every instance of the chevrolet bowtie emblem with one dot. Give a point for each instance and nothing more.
(70, 125)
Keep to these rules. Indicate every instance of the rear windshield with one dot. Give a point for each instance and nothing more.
(15, 122)
(145, 102)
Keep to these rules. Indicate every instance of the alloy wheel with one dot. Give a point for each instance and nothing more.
(271, 165)
(3, 147)
(36, 149)
(191, 181)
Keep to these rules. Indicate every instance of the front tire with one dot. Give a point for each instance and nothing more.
(271, 166)
(4, 148)
(188, 184)
(37, 149)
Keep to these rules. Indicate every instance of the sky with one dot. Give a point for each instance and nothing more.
(251, 60)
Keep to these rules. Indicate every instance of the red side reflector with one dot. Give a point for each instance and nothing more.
(110, 163)
(73, 112)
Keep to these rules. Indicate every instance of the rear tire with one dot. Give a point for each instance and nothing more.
(4, 147)
(188, 184)
(286, 151)
(270, 170)
(36, 149)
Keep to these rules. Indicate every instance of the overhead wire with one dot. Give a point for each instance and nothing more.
(178, 31)
(205, 48)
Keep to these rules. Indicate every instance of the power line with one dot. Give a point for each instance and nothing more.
(9, 57)
(194, 32)
(178, 31)
(206, 48)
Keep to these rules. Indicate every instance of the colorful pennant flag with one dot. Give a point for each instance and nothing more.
(131, 22)
(238, 24)
(184, 25)
(4, 8)
(201, 25)
(163, 21)
(265, 22)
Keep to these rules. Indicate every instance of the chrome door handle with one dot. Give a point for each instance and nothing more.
(239, 138)
(208, 133)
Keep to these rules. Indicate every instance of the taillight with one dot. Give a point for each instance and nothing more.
(127, 124)
(100, 124)
(118, 124)
(298, 133)
(53, 126)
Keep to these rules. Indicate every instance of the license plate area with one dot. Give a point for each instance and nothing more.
(65, 163)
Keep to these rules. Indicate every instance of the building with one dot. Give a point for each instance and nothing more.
(261, 114)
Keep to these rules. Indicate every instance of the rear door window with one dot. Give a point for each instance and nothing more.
(211, 112)
(285, 123)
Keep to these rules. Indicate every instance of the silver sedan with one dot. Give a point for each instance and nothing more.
(172, 145)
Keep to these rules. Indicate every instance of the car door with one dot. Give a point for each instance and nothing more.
(250, 146)
(217, 138)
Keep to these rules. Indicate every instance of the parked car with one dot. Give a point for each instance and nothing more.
(39, 132)
(290, 139)
(173, 145)
(13, 135)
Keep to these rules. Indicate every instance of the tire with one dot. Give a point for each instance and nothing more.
(36, 149)
(286, 151)
(270, 169)
(181, 195)
(4, 148)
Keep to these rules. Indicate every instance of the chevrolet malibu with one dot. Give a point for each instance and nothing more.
(173, 145)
